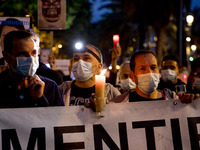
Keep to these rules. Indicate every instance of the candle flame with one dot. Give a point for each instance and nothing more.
(103, 72)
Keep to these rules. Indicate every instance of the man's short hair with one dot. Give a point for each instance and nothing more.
(171, 57)
(140, 52)
(195, 64)
(19, 26)
(11, 36)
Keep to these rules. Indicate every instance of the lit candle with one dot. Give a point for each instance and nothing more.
(115, 40)
(100, 85)
(99, 91)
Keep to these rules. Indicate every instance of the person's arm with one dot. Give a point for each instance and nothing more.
(116, 53)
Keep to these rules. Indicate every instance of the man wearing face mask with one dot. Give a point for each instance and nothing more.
(193, 84)
(145, 73)
(169, 73)
(126, 83)
(19, 85)
(87, 62)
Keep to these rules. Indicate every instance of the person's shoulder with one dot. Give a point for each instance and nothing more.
(4, 74)
(121, 98)
(66, 84)
(47, 80)
(109, 85)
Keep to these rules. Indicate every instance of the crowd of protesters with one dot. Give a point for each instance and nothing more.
(27, 82)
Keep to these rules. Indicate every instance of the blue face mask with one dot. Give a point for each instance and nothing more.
(27, 66)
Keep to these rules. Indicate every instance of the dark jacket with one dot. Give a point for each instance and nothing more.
(43, 70)
(12, 97)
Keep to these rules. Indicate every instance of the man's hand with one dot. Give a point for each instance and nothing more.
(188, 97)
(93, 104)
(116, 52)
(36, 87)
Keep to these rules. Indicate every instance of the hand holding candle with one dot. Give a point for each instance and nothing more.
(115, 40)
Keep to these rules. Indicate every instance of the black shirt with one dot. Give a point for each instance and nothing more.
(169, 85)
(79, 96)
(134, 97)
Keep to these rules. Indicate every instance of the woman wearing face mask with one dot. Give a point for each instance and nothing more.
(86, 64)
(145, 73)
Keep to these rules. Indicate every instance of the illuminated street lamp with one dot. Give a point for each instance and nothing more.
(193, 47)
(59, 45)
(189, 19)
(188, 39)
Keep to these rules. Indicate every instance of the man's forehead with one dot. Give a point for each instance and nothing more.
(169, 62)
(125, 69)
(23, 43)
(82, 54)
(140, 59)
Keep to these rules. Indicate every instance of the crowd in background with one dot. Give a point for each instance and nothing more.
(26, 81)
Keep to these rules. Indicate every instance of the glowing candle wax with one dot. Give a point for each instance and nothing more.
(100, 85)
(115, 40)
(99, 91)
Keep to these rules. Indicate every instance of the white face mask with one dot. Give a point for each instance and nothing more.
(168, 75)
(27, 66)
(127, 84)
(148, 83)
(197, 83)
(82, 70)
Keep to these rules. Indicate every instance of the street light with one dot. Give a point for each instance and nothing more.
(59, 45)
(193, 47)
(189, 19)
(188, 39)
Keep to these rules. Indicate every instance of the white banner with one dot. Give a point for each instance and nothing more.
(161, 125)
